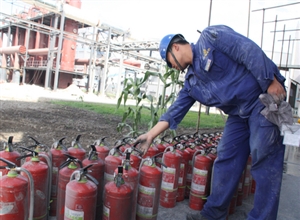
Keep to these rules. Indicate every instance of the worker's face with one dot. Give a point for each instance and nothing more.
(177, 52)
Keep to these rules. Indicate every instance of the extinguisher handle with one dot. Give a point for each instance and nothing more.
(164, 139)
(10, 144)
(135, 149)
(92, 152)
(179, 146)
(69, 160)
(59, 143)
(155, 159)
(76, 142)
(92, 179)
(32, 154)
(100, 141)
(24, 156)
(127, 140)
(9, 163)
(35, 141)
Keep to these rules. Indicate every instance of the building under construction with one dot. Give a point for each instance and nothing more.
(55, 43)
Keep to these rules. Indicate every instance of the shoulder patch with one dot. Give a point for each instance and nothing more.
(206, 52)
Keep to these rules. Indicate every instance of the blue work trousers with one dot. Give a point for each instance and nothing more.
(243, 136)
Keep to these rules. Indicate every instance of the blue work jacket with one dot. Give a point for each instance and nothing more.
(229, 71)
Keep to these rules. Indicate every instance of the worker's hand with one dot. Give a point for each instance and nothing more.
(277, 91)
(145, 140)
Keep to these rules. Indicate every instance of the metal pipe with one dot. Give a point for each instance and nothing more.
(90, 73)
(26, 54)
(274, 37)
(103, 78)
(249, 18)
(8, 35)
(31, 186)
(120, 72)
(40, 51)
(282, 45)
(50, 54)
(13, 49)
(287, 56)
(262, 29)
(209, 16)
(62, 22)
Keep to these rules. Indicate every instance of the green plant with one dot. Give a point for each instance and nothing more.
(132, 88)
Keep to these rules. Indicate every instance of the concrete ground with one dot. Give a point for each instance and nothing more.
(289, 206)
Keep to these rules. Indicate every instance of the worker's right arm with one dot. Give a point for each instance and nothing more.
(170, 119)
(147, 138)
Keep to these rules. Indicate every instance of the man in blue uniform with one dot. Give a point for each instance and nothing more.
(229, 71)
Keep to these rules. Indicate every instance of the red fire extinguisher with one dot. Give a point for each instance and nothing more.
(112, 161)
(117, 198)
(96, 171)
(41, 174)
(202, 166)
(130, 176)
(14, 193)
(169, 184)
(101, 148)
(185, 155)
(58, 152)
(150, 177)
(81, 195)
(9, 154)
(65, 171)
(76, 150)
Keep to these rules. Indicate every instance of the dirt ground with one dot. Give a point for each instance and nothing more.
(21, 117)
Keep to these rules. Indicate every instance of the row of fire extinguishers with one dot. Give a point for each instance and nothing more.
(106, 183)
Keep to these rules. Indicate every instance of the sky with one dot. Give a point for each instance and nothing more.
(153, 19)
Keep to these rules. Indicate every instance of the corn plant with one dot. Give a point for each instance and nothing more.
(132, 88)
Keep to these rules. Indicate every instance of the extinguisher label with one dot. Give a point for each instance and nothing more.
(73, 215)
(8, 208)
(181, 174)
(106, 212)
(168, 178)
(199, 180)
(145, 203)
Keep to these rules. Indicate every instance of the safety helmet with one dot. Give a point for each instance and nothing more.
(164, 46)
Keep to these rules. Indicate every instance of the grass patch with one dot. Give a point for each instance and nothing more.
(189, 121)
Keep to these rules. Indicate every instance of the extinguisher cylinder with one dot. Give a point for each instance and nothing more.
(202, 166)
(169, 184)
(117, 199)
(149, 189)
(81, 200)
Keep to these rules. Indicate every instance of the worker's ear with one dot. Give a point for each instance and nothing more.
(175, 47)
